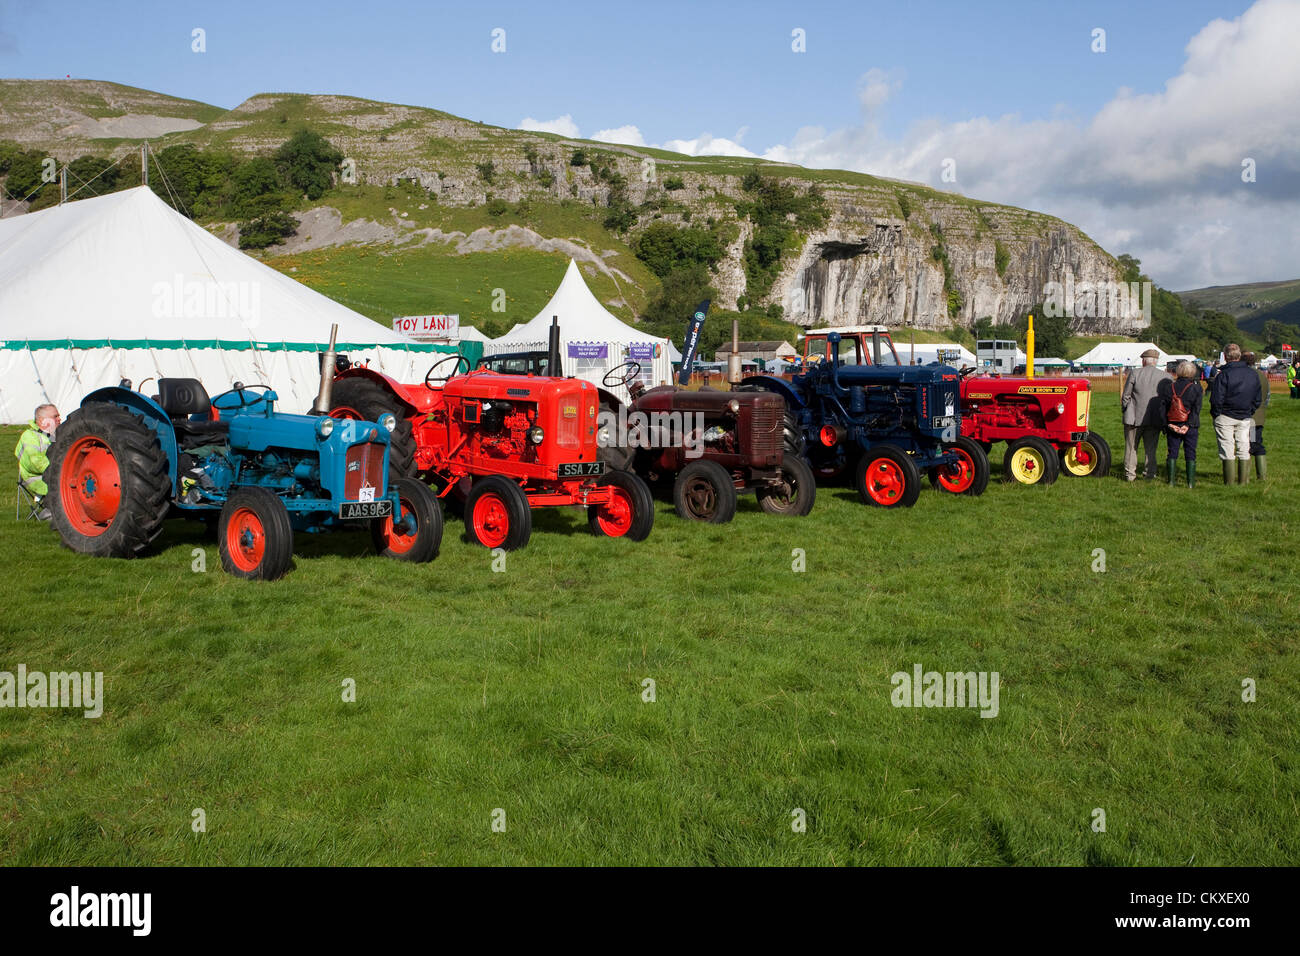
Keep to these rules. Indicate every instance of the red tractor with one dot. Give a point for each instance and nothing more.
(1043, 421)
(498, 446)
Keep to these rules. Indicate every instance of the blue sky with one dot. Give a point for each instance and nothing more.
(876, 83)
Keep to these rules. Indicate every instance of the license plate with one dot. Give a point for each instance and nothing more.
(366, 509)
(945, 421)
(580, 469)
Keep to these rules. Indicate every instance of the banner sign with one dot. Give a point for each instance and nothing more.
(643, 352)
(428, 328)
(693, 340)
(589, 350)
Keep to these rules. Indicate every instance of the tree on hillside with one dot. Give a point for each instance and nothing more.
(1276, 334)
(664, 247)
(307, 163)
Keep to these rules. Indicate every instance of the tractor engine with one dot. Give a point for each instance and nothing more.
(502, 429)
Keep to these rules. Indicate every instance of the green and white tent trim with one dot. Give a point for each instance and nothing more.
(123, 287)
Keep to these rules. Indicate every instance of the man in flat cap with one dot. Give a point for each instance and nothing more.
(1144, 415)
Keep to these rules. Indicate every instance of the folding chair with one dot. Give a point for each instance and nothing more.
(33, 503)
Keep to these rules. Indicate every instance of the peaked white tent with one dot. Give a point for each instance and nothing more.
(1106, 355)
(123, 286)
(592, 340)
(470, 334)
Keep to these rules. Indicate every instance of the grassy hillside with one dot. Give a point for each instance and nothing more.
(1252, 303)
(523, 690)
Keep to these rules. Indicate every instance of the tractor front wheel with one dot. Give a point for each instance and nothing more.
(794, 493)
(363, 400)
(888, 478)
(969, 475)
(704, 491)
(497, 514)
(417, 535)
(109, 486)
(254, 535)
(630, 512)
(1031, 461)
(1089, 459)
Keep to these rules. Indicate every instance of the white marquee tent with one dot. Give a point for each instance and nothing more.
(1105, 355)
(592, 340)
(929, 352)
(122, 286)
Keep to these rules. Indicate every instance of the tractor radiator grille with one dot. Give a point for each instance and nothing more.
(365, 461)
(767, 424)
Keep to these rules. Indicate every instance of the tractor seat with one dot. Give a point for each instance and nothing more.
(182, 398)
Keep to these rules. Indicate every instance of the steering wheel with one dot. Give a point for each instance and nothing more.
(968, 370)
(244, 401)
(614, 380)
(431, 381)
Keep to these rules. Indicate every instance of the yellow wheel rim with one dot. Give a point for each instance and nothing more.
(1080, 468)
(1027, 466)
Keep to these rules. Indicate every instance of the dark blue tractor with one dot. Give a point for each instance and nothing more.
(883, 423)
(123, 462)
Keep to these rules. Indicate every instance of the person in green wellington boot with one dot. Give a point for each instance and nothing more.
(1257, 449)
(1181, 399)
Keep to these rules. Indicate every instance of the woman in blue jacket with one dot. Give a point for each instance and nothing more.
(1183, 418)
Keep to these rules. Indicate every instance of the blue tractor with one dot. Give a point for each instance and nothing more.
(122, 463)
(885, 423)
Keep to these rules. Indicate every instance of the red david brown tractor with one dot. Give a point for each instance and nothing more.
(124, 462)
(1043, 421)
(498, 445)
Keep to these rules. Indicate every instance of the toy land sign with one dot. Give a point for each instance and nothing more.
(428, 328)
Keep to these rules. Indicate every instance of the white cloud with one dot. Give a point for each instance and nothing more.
(706, 145)
(1157, 175)
(563, 125)
(624, 135)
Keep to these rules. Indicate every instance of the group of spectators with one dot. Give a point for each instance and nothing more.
(1153, 402)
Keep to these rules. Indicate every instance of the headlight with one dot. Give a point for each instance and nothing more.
(1060, 408)
(325, 427)
(734, 406)
(388, 420)
(536, 435)
(602, 436)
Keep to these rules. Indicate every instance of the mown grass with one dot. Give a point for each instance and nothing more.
(523, 690)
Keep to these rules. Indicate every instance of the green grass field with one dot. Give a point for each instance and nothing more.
(522, 690)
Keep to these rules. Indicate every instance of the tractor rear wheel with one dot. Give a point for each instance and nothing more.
(418, 535)
(888, 478)
(1097, 462)
(497, 514)
(792, 437)
(631, 510)
(616, 455)
(969, 476)
(704, 491)
(1031, 461)
(254, 535)
(794, 493)
(364, 400)
(109, 482)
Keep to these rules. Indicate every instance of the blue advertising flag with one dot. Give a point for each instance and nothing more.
(692, 340)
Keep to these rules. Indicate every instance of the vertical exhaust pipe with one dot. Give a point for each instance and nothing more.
(327, 362)
(553, 366)
(733, 360)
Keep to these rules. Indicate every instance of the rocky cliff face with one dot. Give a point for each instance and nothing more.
(890, 252)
